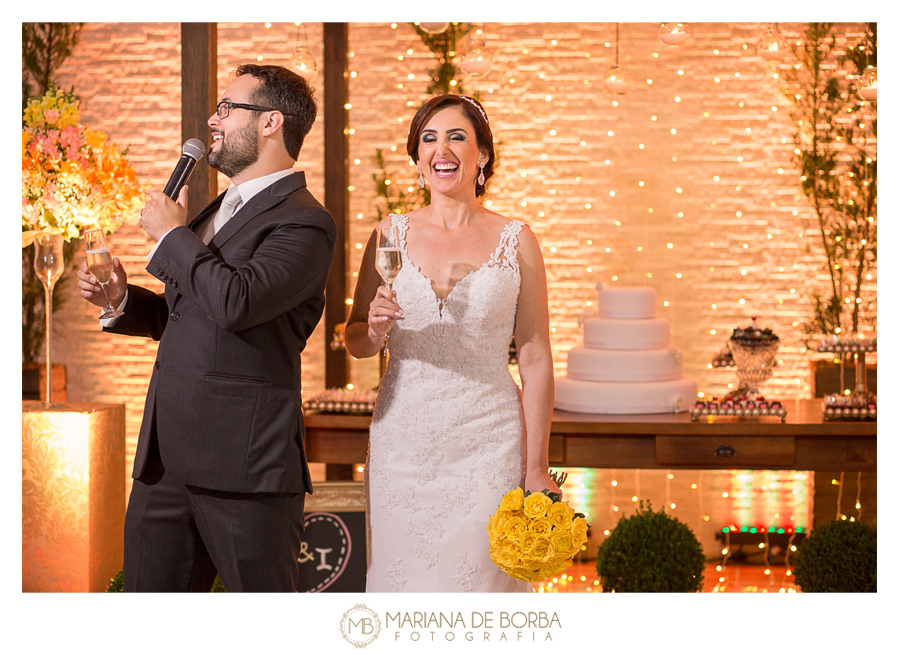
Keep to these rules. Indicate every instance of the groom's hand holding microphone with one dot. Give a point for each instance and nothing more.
(161, 214)
(168, 209)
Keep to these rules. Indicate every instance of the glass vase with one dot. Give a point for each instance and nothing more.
(48, 265)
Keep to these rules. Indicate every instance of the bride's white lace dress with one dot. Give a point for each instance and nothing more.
(447, 435)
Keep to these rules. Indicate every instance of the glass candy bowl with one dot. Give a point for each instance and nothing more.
(754, 362)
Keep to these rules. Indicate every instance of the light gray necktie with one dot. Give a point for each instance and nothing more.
(230, 203)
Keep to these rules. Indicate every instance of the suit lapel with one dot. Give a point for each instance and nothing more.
(197, 223)
(260, 203)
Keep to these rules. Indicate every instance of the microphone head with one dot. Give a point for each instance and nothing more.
(193, 148)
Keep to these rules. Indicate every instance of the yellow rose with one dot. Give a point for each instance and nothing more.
(560, 514)
(512, 501)
(579, 530)
(541, 527)
(522, 573)
(527, 540)
(563, 542)
(497, 521)
(542, 550)
(537, 504)
(513, 528)
(552, 568)
(510, 553)
(547, 571)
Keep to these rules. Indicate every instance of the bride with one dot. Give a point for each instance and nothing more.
(451, 432)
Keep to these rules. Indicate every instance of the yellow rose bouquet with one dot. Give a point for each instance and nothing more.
(534, 536)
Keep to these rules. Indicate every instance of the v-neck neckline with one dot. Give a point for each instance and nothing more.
(441, 301)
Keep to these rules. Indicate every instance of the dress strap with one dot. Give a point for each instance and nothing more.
(507, 249)
(401, 223)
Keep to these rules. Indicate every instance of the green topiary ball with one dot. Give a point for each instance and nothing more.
(840, 556)
(116, 583)
(651, 552)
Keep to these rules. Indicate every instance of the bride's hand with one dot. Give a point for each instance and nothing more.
(539, 481)
(383, 312)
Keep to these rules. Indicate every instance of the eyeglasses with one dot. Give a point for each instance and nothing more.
(223, 109)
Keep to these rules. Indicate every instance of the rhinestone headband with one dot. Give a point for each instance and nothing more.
(477, 106)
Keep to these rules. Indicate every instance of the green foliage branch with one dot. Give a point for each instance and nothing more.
(835, 148)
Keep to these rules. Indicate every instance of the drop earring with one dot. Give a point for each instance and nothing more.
(481, 175)
(421, 179)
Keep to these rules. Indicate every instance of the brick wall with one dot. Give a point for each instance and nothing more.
(689, 158)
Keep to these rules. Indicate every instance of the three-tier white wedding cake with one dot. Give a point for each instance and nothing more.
(627, 365)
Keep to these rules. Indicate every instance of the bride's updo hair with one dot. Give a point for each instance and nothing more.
(474, 112)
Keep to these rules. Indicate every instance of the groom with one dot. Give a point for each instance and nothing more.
(220, 472)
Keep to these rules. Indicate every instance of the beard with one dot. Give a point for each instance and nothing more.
(236, 152)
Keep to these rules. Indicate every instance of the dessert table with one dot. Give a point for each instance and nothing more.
(803, 442)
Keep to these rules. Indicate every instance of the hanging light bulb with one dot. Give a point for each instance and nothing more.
(302, 62)
(434, 28)
(674, 34)
(867, 86)
(475, 60)
(616, 80)
(772, 47)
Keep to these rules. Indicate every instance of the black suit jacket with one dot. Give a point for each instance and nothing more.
(224, 398)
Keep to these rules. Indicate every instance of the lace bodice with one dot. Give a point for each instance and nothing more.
(476, 318)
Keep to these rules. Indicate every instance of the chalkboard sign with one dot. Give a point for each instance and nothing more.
(333, 544)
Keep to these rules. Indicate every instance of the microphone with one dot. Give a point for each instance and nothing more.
(191, 153)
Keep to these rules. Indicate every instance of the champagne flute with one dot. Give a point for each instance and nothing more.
(388, 258)
(100, 264)
(48, 265)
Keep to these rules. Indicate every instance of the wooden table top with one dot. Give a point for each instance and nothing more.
(804, 417)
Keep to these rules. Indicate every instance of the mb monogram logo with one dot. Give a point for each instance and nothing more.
(360, 626)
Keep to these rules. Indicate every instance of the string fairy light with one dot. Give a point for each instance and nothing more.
(840, 486)
(637, 488)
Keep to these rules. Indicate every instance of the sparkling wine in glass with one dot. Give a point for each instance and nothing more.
(388, 258)
(100, 264)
